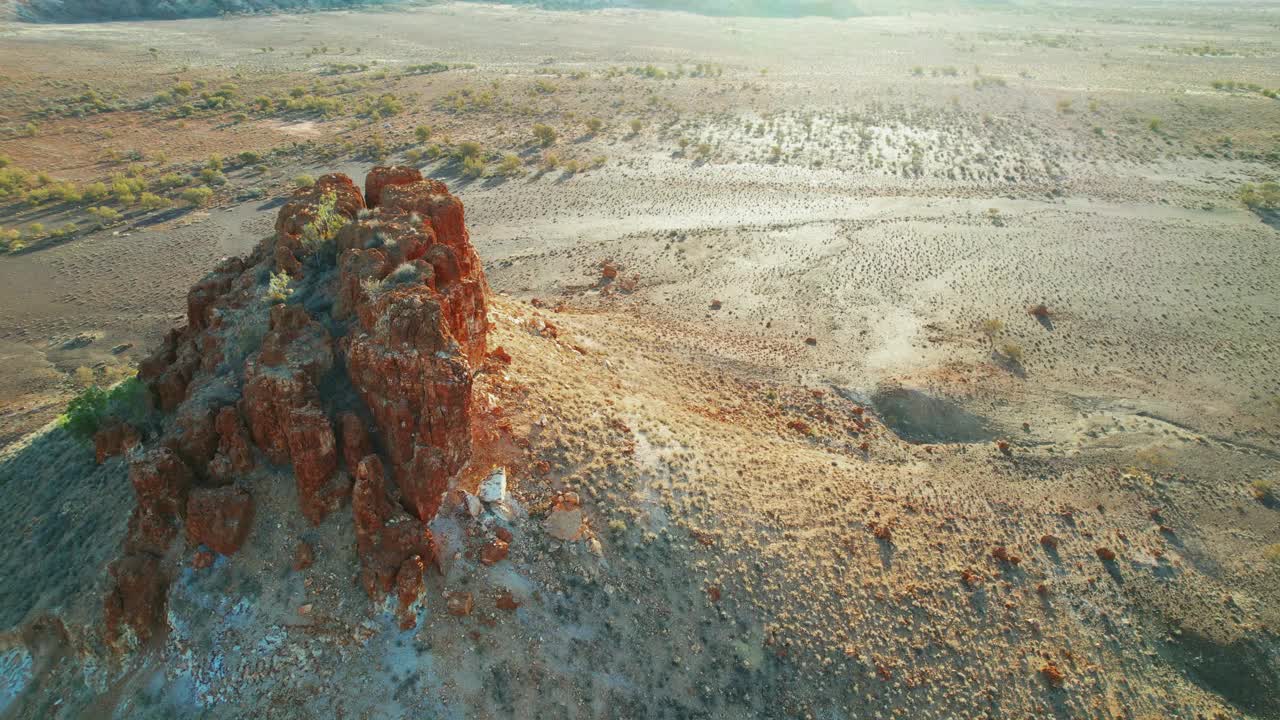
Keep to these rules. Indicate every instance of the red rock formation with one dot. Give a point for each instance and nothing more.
(387, 537)
(136, 599)
(219, 518)
(114, 438)
(161, 482)
(301, 210)
(282, 406)
(418, 389)
(234, 458)
(407, 307)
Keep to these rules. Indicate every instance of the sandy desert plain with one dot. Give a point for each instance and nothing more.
(913, 365)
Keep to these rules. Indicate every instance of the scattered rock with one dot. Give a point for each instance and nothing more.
(303, 556)
(460, 604)
(494, 487)
(565, 522)
(494, 552)
(507, 601)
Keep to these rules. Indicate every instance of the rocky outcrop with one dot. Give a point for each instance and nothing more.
(219, 518)
(283, 409)
(114, 438)
(387, 537)
(356, 377)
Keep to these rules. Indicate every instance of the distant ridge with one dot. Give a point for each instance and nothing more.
(97, 10)
(92, 10)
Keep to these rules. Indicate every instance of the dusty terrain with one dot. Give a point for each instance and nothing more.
(819, 436)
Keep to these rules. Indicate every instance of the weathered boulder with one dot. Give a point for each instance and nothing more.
(234, 458)
(219, 518)
(115, 437)
(161, 482)
(136, 600)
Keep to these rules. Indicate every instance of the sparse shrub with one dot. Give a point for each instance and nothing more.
(704, 151)
(468, 150)
(317, 235)
(1064, 106)
(510, 165)
(211, 176)
(1012, 352)
(248, 157)
(304, 181)
(105, 215)
(991, 327)
(197, 196)
(278, 287)
(151, 201)
(422, 133)
(1261, 197)
(169, 181)
(1263, 490)
(1154, 124)
(545, 134)
(594, 125)
(473, 166)
(636, 126)
(96, 191)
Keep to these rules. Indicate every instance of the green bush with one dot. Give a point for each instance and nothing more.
(510, 165)
(468, 150)
(87, 411)
(151, 201)
(304, 181)
(197, 196)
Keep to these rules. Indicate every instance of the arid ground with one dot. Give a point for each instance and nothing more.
(919, 365)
